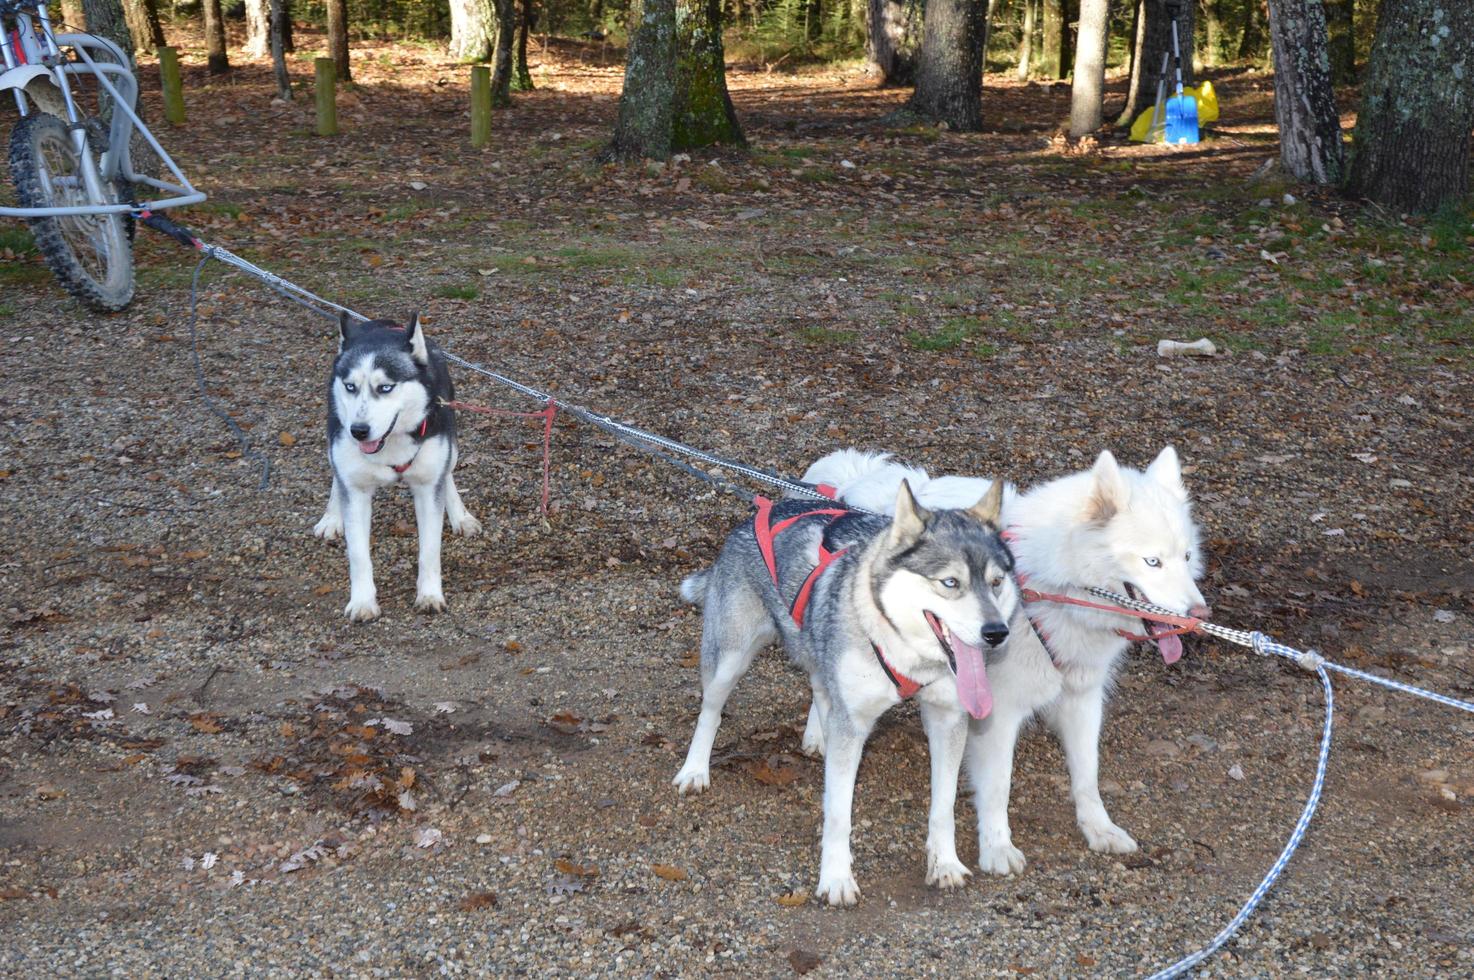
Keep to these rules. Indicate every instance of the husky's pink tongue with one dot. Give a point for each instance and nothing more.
(1170, 647)
(369, 448)
(972, 679)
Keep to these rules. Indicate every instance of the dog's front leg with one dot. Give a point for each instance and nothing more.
(430, 521)
(331, 524)
(844, 742)
(358, 513)
(990, 766)
(1076, 719)
(946, 734)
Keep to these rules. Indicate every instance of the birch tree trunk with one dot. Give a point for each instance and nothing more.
(1087, 93)
(890, 40)
(215, 57)
(1304, 101)
(1026, 41)
(949, 74)
(472, 29)
(1411, 150)
(258, 28)
(702, 113)
(645, 122)
(337, 38)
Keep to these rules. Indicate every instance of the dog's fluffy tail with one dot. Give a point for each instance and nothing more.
(844, 467)
(693, 587)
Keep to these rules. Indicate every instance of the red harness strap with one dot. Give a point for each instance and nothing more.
(801, 601)
(905, 686)
(765, 531)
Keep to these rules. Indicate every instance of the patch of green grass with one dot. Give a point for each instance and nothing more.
(221, 207)
(951, 334)
(401, 211)
(22, 273)
(826, 336)
(457, 292)
(6, 310)
(1452, 229)
(18, 240)
(818, 175)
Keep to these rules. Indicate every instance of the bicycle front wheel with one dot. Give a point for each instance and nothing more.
(90, 254)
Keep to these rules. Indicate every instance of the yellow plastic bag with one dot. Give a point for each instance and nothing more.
(1203, 95)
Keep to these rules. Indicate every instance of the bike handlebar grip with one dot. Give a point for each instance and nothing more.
(162, 224)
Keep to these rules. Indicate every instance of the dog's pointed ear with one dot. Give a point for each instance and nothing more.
(1108, 492)
(910, 519)
(988, 510)
(1166, 471)
(415, 339)
(345, 331)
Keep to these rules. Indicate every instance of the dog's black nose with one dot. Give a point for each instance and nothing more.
(359, 432)
(995, 633)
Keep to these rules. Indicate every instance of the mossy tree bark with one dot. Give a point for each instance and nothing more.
(106, 18)
(279, 21)
(647, 103)
(143, 24)
(472, 29)
(1087, 93)
(501, 55)
(521, 75)
(1340, 27)
(702, 112)
(891, 38)
(1304, 101)
(1157, 40)
(1411, 150)
(949, 74)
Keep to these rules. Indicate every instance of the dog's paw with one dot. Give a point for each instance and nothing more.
(1001, 859)
(330, 527)
(362, 610)
(946, 873)
(813, 743)
(431, 602)
(466, 527)
(691, 781)
(839, 890)
(1107, 838)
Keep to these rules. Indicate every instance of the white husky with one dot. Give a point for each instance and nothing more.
(1111, 527)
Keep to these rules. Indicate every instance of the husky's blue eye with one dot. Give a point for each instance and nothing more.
(385, 389)
(949, 583)
(1153, 562)
(350, 387)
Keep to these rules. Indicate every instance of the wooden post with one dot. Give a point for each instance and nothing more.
(173, 86)
(480, 105)
(327, 100)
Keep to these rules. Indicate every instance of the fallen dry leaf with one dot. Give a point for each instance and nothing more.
(669, 872)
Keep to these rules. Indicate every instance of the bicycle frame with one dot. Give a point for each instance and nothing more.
(32, 54)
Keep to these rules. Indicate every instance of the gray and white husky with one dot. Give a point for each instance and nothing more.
(1110, 526)
(874, 610)
(388, 422)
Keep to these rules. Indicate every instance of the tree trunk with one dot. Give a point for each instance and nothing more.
(215, 56)
(1304, 102)
(1339, 26)
(72, 15)
(279, 21)
(143, 24)
(1087, 94)
(337, 37)
(1071, 9)
(702, 111)
(288, 42)
(106, 18)
(988, 31)
(1252, 38)
(1025, 41)
(949, 74)
(890, 40)
(521, 75)
(1050, 50)
(1138, 33)
(501, 55)
(1411, 150)
(645, 106)
(1212, 52)
(472, 29)
(258, 28)
(1157, 41)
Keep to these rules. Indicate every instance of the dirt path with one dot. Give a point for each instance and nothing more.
(980, 304)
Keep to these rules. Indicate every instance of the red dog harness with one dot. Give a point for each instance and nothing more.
(765, 531)
(424, 427)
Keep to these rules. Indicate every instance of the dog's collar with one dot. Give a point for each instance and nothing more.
(418, 434)
(1009, 535)
(905, 686)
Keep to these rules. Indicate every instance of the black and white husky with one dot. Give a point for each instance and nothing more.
(875, 610)
(388, 421)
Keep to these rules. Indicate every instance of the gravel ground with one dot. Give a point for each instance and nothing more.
(276, 792)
